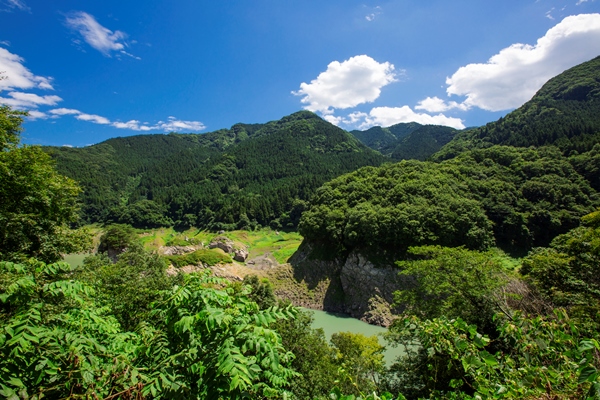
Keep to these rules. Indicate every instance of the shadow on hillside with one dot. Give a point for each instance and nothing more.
(321, 277)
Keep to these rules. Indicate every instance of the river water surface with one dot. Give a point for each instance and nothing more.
(333, 323)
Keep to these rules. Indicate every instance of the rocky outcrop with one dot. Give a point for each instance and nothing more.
(239, 252)
(263, 262)
(176, 250)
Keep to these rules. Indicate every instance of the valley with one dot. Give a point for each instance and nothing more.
(479, 250)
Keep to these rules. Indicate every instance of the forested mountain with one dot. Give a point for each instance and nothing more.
(406, 141)
(231, 178)
(565, 113)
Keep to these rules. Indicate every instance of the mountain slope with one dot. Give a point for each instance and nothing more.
(406, 141)
(238, 177)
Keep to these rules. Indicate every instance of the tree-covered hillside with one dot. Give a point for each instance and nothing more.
(565, 113)
(510, 197)
(406, 141)
(236, 178)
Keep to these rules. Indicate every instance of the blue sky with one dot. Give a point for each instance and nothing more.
(89, 71)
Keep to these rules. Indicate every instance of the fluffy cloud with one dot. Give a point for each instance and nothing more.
(511, 77)
(133, 125)
(387, 116)
(34, 114)
(346, 84)
(435, 104)
(29, 100)
(100, 38)
(97, 119)
(64, 111)
(171, 125)
(17, 76)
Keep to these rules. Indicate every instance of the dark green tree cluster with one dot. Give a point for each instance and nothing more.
(514, 198)
(568, 272)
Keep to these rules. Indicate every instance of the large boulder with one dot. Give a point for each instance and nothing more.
(240, 255)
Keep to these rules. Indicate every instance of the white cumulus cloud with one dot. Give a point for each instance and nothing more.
(97, 119)
(17, 76)
(100, 38)
(346, 84)
(176, 125)
(34, 114)
(511, 77)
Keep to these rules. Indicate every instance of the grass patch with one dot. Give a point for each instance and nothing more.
(280, 244)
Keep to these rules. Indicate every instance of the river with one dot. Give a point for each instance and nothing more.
(75, 259)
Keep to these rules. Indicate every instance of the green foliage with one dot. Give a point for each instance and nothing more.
(207, 257)
(454, 283)
(117, 237)
(55, 341)
(201, 341)
(261, 291)
(37, 204)
(210, 344)
(10, 127)
(313, 359)
(394, 207)
(568, 272)
(336, 394)
(588, 165)
(130, 285)
(360, 358)
(541, 357)
(423, 142)
(141, 214)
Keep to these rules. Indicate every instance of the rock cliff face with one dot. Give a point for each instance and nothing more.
(369, 290)
(352, 285)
